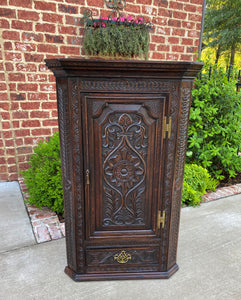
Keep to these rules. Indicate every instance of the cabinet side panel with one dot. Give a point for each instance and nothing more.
(66, 163)
(186, 89)
(169, 144)
(77, 166)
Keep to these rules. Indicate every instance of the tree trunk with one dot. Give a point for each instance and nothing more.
(218, 52)
(232, 55)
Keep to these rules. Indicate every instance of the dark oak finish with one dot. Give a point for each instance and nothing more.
(123, 131)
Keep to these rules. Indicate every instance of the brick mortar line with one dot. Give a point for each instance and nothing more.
(79, 27)
(10, 111)
(235, 190)
(79, 15)
(78, 46)
(42, 219)
(65, 36)
(75, 55)
(49, 226)
(2, 110)
(4, 144)
(222, 193)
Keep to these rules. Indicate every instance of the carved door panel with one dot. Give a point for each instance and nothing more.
(123, 158)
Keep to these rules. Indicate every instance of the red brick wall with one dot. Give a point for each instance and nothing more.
(31, 31)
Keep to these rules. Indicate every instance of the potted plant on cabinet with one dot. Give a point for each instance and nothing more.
(118, 36)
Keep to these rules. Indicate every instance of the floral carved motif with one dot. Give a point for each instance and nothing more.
(124, 144)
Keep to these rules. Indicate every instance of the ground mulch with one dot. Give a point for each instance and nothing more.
(230, 181)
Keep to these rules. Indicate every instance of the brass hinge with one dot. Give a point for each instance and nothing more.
(167, 127)
(161, 219)
(87, 176)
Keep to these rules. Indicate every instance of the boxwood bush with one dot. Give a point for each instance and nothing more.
(197, 181)
(43, 178)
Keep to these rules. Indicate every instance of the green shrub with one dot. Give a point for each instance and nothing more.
(215, 125)
(196, 182)
(43, 178)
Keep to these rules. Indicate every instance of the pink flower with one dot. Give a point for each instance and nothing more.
(129, 18)
(114, 19)
(103, 24)
(104, 18)
(122, 19)
(140, 19)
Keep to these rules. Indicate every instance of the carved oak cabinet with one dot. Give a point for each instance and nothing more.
(123, 131)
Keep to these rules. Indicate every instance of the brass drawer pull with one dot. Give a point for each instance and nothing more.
(122, 258)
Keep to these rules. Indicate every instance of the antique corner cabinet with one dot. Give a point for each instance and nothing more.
(123, 131)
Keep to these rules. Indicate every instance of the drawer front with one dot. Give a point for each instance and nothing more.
(122, 259)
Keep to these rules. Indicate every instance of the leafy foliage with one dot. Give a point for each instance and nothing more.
(196, 182)
(215, 125)
(43, 178)
(117, 40)
(222, 27)
(209, 55)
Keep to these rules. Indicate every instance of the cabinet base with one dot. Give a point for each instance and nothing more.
(121, 276)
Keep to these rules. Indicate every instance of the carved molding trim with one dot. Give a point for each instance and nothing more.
(151, 85)
(186, 92)
(116, 269)
(66, 172)
(77, 138)
(53, 63)
(167, 194)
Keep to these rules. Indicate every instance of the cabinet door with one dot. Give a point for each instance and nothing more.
(123, 164)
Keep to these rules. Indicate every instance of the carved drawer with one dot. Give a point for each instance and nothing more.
(119, 259)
